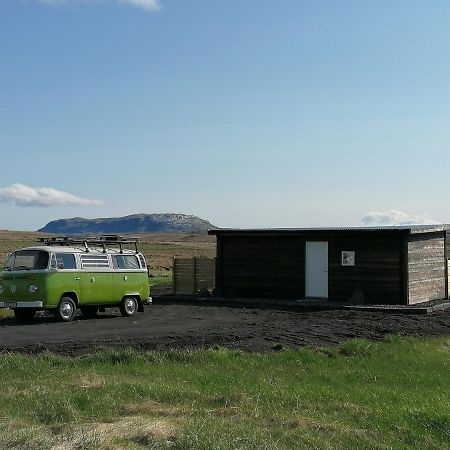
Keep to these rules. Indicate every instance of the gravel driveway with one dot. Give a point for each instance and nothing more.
(168, 326)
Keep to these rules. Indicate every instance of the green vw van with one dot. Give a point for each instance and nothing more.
(64, 274)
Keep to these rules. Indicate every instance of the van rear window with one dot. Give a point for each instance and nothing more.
(125, 262)
(142, 259)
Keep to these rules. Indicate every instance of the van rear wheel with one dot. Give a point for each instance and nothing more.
(24, 315)
(66, 309)
(89, 311)
(128, 306)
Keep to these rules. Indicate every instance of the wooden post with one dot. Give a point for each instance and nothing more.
(405, 267)
(218, 271)
(446, 264)
(194, 273)
(174, 273)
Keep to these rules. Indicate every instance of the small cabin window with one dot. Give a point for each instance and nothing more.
(63, 261)
(89, 261)
(129, 262)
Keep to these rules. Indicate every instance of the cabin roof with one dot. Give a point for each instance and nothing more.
(411, 229)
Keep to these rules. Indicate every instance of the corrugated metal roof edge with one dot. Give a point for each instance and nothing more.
(413, 229)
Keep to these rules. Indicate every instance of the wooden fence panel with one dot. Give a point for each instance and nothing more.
(191, 275)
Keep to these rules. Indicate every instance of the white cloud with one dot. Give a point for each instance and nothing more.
(395, 217)
(21, 195)
(147, 5)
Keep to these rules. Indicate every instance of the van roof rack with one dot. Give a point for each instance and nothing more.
(99, 241)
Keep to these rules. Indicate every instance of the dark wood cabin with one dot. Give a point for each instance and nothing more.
(384, 265)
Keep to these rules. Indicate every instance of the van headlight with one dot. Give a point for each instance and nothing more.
(32, 288)
(1, 289)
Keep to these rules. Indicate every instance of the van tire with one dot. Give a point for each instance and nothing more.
(128, 306)
(89, 311)
(24, 315)
(66, 310)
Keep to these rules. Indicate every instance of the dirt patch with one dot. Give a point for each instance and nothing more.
(89, 381)
(143, 432)
(156, 409)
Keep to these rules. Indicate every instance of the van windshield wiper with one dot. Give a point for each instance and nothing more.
(22, 268)
(7, 268)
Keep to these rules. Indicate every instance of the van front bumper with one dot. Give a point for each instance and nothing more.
(21, 305)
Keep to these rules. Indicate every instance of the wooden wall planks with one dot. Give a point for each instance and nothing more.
(390, 267)
(193, 274)
(426, 268)
(261, 266)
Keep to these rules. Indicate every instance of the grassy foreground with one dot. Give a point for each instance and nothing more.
(362, 394)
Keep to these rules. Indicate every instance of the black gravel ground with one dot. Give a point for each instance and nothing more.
(179, 326)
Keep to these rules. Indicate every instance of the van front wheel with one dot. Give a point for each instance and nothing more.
(128, 307)
(66, 309)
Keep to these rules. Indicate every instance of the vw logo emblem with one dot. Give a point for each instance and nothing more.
(13, 288)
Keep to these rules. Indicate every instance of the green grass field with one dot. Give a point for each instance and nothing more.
(362, 394)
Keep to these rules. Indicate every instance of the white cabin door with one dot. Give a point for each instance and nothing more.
(316, 268)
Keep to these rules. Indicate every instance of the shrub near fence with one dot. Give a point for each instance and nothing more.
(191, 275)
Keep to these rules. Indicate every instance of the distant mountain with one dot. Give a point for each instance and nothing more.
(136, 223)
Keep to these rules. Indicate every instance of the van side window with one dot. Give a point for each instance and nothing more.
(125, 262)
(89, 261)
(64, 261)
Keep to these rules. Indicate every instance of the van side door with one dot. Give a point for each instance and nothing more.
(64, 276)
(96, 279)
(127, 276)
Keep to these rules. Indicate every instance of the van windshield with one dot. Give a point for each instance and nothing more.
(27, 260)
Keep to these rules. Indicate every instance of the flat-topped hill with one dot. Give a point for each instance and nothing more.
(136, 223)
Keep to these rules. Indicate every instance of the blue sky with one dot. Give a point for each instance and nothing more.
(250, 113)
